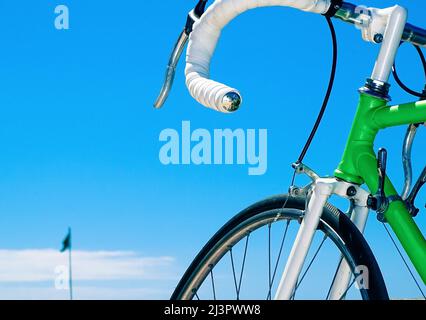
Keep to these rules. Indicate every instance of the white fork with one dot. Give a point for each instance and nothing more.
(322, 189)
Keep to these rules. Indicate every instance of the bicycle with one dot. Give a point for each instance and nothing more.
(307, 207)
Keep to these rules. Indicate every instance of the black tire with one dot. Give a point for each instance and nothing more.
(332, 219)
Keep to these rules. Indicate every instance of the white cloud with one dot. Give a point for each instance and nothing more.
(40, 265)
(30, 274)
(83, 293)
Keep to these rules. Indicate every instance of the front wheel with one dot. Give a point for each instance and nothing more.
(245, 258)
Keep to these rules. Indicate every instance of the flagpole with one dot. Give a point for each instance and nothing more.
(70, 264)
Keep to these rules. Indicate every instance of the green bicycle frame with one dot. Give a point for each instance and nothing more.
(359, 165)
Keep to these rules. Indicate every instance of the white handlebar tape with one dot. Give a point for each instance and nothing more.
(203, 41)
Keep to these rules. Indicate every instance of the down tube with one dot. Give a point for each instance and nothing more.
(397, 215)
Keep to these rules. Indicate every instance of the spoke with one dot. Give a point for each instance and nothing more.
(334, 278)
(271, 281)
(346, 291)
(309, 265)
(233, 272)
(293, 297)
(269, 260)
(213, 286)
(196, 295)
(242, 267)
(280, 252)
(405, 262)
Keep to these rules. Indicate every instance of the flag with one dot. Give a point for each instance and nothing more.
(66, 243)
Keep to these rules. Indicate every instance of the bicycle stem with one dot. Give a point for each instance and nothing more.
(352, 14)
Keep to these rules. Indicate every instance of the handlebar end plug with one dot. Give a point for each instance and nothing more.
(231, 101)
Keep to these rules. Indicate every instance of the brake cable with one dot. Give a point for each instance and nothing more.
(421, 95)
(398, 80)
(327, 95)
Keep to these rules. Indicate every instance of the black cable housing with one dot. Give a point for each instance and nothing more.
(421, 95)
(328, 93)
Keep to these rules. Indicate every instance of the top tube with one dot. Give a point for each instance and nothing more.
(352, 14)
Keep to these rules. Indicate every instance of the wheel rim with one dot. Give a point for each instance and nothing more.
(205, 275)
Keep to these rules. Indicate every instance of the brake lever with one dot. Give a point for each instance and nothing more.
(193, 16)
(171, 70)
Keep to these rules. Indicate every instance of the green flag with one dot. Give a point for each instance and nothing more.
(66, 243)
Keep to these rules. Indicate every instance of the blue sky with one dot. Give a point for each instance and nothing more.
(79, 136)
